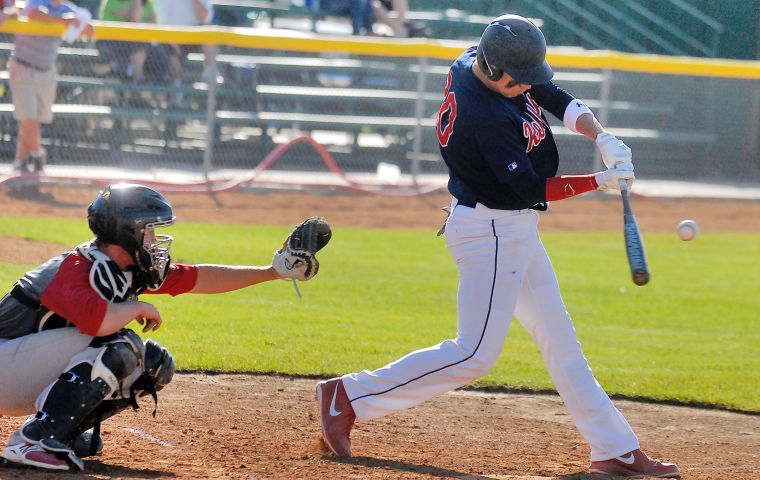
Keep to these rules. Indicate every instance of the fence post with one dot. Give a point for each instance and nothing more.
(604, 112)
(754, 143)
(210, 111)
(419, 112)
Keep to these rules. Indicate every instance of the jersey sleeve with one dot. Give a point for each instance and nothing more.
(552, 98)
(180, 279)
(71, 296)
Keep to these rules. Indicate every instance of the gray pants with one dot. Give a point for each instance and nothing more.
(30, 363)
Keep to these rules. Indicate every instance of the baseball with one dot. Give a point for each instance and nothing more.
(687, 230)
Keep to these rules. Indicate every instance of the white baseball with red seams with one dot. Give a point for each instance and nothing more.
(687, 230)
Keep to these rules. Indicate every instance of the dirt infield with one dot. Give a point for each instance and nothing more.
(266, 427)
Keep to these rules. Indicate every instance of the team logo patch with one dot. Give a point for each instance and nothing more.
(535, 129)
(512, 166)
(110, 281)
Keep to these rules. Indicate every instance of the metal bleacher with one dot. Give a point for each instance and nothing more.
(369, 104)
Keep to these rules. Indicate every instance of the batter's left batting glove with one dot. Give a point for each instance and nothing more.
(611, 178)
(613, 150)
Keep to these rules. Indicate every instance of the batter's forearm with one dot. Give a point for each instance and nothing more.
(588, 125)
(566, 186)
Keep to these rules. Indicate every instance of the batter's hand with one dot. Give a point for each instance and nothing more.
(611, 178)
(613, 150)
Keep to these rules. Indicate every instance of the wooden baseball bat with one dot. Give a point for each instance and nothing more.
(634, 246)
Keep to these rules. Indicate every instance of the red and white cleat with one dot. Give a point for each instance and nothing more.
(636, 464)
(337, 416)
(34, 456)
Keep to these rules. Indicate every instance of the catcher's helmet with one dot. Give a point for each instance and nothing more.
(514, 45)
(122, 214)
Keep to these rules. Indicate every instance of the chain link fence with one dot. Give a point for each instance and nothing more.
(227, 107)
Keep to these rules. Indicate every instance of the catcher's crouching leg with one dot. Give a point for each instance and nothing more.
(91, 376)
(156, 372)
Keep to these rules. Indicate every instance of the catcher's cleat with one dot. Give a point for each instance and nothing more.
(337, 416)
(636, 464)
(34, 456)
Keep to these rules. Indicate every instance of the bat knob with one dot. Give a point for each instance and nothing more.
(640, 277)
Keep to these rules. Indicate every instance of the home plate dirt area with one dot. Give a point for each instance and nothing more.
(250, 426)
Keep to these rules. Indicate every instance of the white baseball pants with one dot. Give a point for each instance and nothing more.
(504, 270)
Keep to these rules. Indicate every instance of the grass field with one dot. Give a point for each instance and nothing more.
(692, 335)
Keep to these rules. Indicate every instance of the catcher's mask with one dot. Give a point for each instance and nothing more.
(127, 215)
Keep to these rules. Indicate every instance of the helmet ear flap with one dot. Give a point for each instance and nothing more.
(491, 72)
(101, 220)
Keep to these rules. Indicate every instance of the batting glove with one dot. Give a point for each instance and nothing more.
(613, 150)
(611, 178)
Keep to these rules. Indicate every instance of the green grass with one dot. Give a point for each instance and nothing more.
(692, 335)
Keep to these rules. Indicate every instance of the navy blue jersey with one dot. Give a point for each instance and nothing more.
(499, 150)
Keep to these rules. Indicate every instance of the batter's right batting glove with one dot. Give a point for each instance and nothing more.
(613, 150)
(296, 259)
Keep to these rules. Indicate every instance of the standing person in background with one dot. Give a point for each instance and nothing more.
(502, 160)
(184, 13)
(33, 74)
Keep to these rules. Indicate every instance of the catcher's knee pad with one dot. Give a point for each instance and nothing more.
(159, 364)
(156, 372)
(91, 376)
(117, 357)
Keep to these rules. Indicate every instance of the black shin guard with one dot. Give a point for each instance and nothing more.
(68, 401)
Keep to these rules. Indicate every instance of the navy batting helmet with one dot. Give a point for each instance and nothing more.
(514, 45)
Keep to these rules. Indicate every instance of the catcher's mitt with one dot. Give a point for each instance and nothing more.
(296, 259)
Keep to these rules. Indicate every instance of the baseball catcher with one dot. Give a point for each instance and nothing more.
(66, 354)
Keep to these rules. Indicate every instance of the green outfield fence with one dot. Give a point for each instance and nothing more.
(246, 97)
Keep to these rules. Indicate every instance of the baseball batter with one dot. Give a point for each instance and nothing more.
(502, 160)
(64, 350)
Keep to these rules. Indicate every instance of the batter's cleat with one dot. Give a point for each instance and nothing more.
(636, 464)
(337, 416)
(34, 456)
